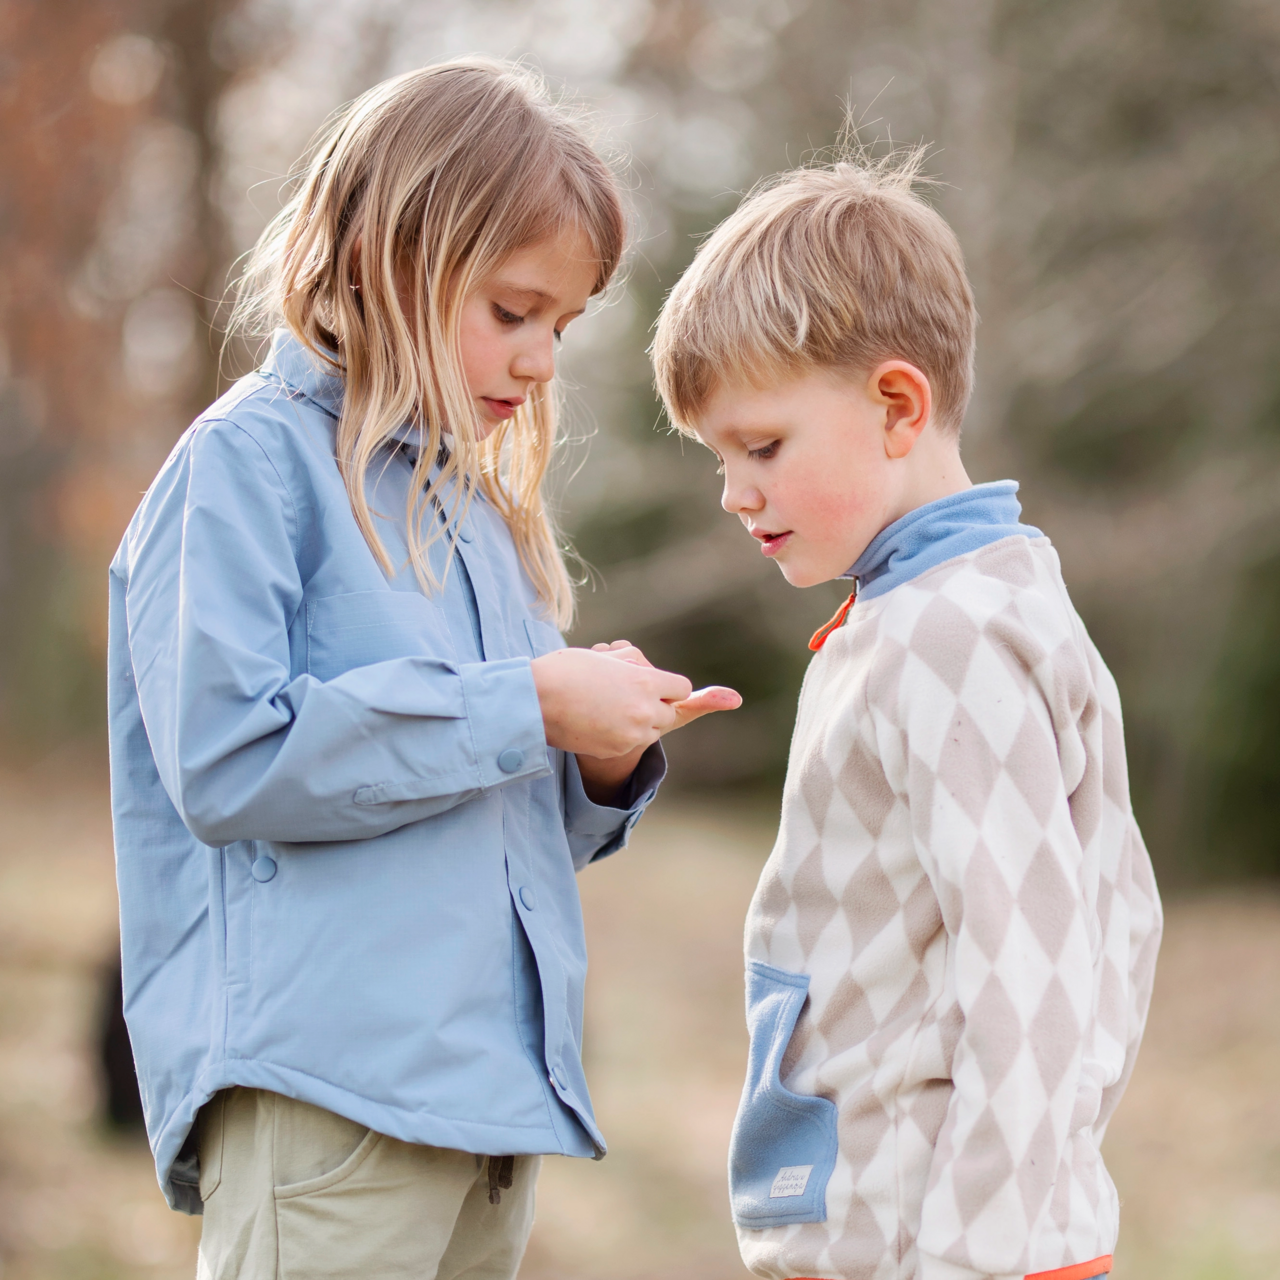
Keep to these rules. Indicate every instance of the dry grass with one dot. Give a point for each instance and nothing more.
(1195, 1148)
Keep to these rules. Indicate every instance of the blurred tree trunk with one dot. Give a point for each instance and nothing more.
(205, 59)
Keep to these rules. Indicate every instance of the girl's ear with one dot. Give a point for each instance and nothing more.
(907, 397)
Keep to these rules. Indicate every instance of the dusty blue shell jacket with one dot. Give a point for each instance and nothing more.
(345, 851)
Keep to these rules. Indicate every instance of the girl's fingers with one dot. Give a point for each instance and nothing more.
(715, 697)
(668, 686)
(624, 651)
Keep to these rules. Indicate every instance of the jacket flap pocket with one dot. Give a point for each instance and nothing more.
(364, 627)
(783, 1148)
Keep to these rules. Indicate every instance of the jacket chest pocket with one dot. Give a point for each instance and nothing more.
(364, 627)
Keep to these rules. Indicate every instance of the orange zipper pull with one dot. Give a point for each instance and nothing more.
(820, 636)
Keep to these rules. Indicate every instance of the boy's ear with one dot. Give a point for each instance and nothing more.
(907, 398)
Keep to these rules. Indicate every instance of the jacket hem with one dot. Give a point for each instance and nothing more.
(421, 1128)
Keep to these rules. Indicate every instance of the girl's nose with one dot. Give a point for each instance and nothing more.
(537, 360)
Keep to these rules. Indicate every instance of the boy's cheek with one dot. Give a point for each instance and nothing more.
(833, 534)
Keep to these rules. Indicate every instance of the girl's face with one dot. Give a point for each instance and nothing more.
(512, 321)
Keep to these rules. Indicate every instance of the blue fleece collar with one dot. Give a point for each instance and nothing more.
(938, 531)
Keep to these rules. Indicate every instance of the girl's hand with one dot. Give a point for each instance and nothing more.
(602, 778)
(715, 697)
(595, 705)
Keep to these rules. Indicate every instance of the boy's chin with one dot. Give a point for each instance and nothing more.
(804, 575)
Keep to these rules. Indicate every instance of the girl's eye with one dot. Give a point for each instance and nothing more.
(505, 316)
(765, 453)
(559, 333)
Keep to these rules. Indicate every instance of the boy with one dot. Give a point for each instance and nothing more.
(951, 949)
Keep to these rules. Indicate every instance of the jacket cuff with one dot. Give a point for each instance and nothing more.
(606, 828)
(506, 721)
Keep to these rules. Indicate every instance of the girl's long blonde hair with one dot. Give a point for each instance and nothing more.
(419, 190)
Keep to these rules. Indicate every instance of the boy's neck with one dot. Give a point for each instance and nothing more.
(932, 470)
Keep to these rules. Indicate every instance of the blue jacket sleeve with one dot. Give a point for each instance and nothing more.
(245, 749)
(597, 830)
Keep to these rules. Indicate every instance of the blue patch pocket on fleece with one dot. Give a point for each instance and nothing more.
(783, 1148)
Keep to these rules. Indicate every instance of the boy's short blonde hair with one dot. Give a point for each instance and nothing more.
(834, 267)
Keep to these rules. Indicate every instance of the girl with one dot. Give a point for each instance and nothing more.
(354, 767)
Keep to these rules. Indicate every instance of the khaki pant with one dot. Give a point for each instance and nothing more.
(293, 1192)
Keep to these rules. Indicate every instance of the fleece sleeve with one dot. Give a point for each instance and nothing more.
(245, 749)
(993, 828)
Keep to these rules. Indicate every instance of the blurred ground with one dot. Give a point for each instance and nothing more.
(1195, 1149)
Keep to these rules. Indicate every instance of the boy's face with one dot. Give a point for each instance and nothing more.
(812, 466)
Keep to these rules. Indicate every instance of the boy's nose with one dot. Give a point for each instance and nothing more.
(739, 497)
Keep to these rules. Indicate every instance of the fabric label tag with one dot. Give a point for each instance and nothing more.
(791, 1181)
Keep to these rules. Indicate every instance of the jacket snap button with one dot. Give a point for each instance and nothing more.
(526, 896)
(558, 1076)
(263, 869)
(464, 534)
(510, 760)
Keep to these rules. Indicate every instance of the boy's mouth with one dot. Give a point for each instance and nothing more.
(771, 543)
(502, 409)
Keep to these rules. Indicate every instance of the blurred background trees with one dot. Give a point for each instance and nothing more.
(1111, 169)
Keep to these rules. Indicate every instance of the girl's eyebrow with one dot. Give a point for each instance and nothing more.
(523, 291)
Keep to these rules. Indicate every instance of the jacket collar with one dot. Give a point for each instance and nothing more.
(303, 373)
(939, 531)
(306, 375)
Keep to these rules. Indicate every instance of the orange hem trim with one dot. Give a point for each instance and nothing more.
(1078, 1271)
(820, 636)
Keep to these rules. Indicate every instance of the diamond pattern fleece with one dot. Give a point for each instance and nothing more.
(959, 873)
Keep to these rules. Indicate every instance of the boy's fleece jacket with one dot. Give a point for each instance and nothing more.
(951, 950)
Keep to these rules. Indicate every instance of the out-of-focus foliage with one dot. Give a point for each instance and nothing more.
(59, 155)
(1140, 265)
(115, 253)
(1111, 169)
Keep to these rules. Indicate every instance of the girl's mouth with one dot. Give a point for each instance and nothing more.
(501, 409)
(772, 543)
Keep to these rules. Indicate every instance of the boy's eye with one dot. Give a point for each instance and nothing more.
(559, 334)
(505, 316)
(765, 452)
